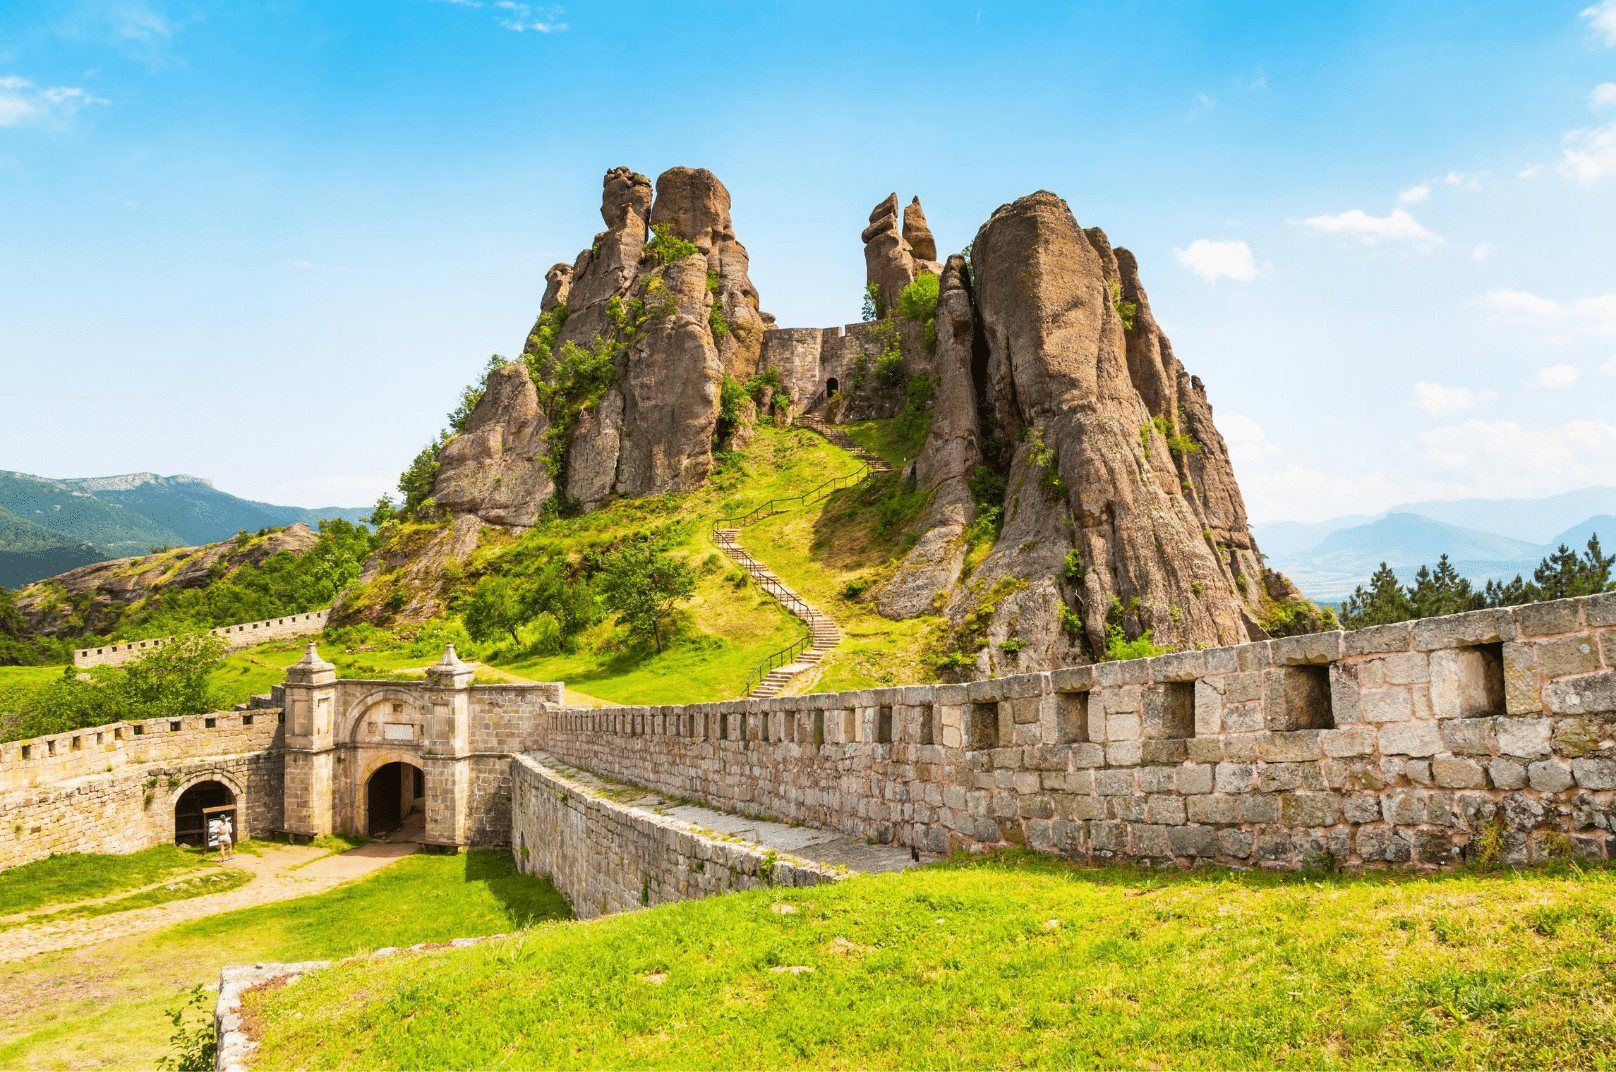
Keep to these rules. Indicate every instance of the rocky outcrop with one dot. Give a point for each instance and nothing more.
(631, 347)
(91, 599)
(488, 469)
(1120, 510)
(895, 252)
(922, 246)
(948, 461)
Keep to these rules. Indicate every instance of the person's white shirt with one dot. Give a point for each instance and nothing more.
(215, 829)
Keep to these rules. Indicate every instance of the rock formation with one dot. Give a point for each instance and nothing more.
(629, 351)
(1120, 511)
(894, 252)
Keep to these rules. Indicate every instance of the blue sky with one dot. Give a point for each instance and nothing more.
(267, 243)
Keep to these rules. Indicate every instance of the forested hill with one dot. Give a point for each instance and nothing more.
(48, 526)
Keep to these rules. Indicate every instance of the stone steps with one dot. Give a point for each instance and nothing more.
(823, 632)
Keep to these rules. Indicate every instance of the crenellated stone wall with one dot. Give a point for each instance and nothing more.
(243, 635)
(809, 358)
(1490, 733)
(113, 788)
(612, 855)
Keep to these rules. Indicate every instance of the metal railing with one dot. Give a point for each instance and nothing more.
(757, 571)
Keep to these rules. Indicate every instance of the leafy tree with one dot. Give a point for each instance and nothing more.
(918, 300)
(172, 679)
(643, 585)
(732, 397)
(498, 604)
(874, 308)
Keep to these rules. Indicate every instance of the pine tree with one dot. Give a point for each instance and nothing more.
(1382, 603)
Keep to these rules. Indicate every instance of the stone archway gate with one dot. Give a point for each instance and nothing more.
(339, 732)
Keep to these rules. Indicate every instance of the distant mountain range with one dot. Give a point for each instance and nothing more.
(1484, 538)
(48, 526)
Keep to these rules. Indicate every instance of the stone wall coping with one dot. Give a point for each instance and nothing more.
(587, 788)
(1493, 625)
(123, 733)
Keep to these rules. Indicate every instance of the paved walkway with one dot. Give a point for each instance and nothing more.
(279, 873)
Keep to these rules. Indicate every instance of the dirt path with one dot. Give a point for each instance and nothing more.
(279, 873)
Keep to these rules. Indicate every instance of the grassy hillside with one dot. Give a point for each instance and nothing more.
(729, 624)
(103, 1007)
(1010, 962)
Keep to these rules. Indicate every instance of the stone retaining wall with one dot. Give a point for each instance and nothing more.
(113, 788)
(1486, 733)
(243, 635)
(612, 856)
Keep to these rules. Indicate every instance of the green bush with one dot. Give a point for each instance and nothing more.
(732, 398)
(666, 247)
(1126, 310)
(1043, 459)
(918, 300)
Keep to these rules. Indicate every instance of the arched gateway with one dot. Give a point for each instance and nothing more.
(429, 761)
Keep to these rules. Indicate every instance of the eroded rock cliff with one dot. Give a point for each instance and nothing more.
(618, 390)
(1121, 516)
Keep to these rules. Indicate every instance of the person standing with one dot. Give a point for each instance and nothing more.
(215, 831)
(227, 837)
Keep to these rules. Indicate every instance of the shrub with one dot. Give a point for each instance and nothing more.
(666, 247)
(1126, 310)
(873, 309)
(918, 300)
(1042, 457)
(732, 398)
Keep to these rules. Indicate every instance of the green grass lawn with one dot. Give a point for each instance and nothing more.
(18, 681)
(103, 1006)
(1012, 962)
(83, 876)
(214, 880)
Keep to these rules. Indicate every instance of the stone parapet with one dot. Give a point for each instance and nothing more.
(1489, 733)
(242, 635)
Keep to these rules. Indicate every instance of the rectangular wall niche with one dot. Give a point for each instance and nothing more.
(1170, 711)
(1301, 699)
(982, 730)
(1072, 717)
(883, 724)
(1478, 674)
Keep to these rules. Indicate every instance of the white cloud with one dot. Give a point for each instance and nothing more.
(1202, 105)
(516, 16)
(1609, 366)
(1603, 96)
(1245, 438)
(1581, 318)
(1589, 155)
(22, 102)
(1602, 21)
(1439, 400)
(529, 17)
(1414, 195)
(1555, 376)
(1461, 181)
(1481, 252)
(1396, 226)
(1498, 458)
(1213, 260)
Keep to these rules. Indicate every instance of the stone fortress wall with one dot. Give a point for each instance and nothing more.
(1491, 733)
(243, 635)
(609, 855)
(1421, 743)
(113, 788)
(809, 358)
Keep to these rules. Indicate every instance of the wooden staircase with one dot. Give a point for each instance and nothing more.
(780, 668)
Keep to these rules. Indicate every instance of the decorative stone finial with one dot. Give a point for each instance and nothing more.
(311, 669)
(311, 660)
(450, 671)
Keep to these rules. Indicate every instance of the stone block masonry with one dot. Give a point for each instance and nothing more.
(611, 849)
(243, 635)
(113, 788)
(1485, 734)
